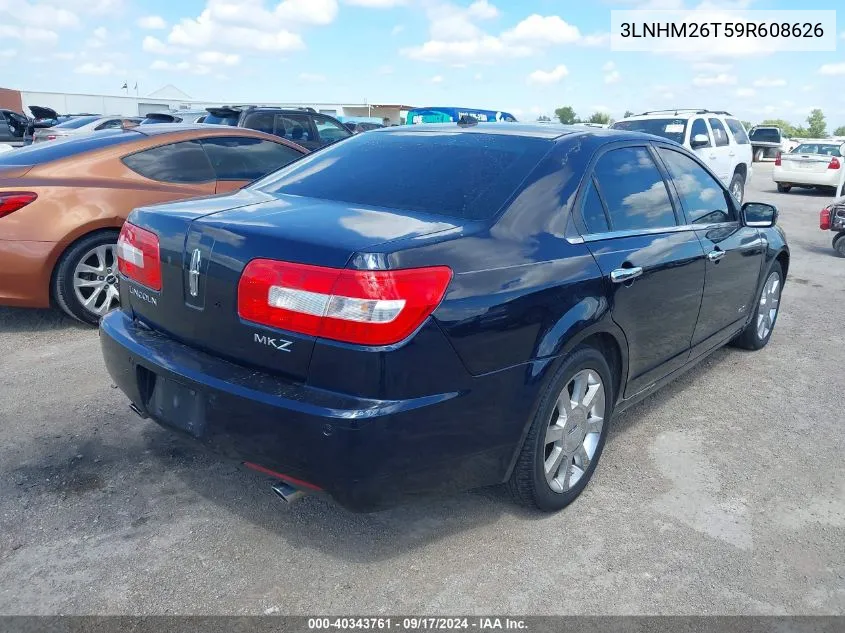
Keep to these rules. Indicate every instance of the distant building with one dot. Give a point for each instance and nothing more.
(170, 97)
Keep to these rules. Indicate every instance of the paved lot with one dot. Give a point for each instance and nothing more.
(724, 493)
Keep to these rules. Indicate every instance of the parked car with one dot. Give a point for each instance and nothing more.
(832, 218)
(814, 163)
(717, 137)
(44, 117)
(302, 126)
(439, 307)
(768, 140)
(13, 128)
(81, 125)
(63, 203)
(175, 116)
(356, 127)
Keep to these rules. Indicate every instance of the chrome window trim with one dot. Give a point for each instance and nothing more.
(611, 235)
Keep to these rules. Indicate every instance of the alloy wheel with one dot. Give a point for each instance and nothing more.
(574, 430)
(768, 309)
(95, 282)
(736, 191)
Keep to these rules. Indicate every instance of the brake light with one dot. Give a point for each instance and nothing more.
(824, 219)
(777, 160)
(51, 137)
(13, 200)
(367, 307)
(138, 257)
(834, 163)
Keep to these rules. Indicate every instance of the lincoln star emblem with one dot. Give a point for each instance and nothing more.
(194, 274)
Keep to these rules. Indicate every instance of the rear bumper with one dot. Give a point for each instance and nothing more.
(827, 178)
(367, 454)
(25, 269)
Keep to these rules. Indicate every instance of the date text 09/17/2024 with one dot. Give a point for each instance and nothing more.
(417, 623)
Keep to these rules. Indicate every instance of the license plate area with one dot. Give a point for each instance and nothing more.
(173, 404)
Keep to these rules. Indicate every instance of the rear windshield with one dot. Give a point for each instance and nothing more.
(673, 129)
(158, 118)
(825, 149)
(222, 120)
(765, 135)
(463, 175)
(78, 122)
(46, 152)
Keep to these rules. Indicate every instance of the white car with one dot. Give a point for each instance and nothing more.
(814, 163)
(81, 125)
(717, 137)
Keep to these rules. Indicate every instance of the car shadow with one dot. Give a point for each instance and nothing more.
(34, 320)
(806, 193)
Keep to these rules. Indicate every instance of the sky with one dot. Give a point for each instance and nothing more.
(526, 57)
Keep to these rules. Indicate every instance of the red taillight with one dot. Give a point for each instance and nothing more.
(13, 200)
(367, 307)
(137, 256)
(777, 159)
(824, 219)
(834, 163)
(51, 137)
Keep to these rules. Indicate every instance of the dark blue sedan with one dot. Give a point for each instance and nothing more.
(423, 309)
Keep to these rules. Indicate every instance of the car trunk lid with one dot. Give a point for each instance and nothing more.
(812, 163)
(206, 244)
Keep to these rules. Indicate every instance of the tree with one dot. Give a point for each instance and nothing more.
(747, 124)
(543, 117)
(786, 127)
(599, 117)
(840, 131)
(627, 114)
(566, 115)
(818, 125)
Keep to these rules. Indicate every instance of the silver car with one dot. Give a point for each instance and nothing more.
(82, 125)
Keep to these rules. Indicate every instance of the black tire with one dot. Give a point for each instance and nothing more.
(528, 483)
(749, 337)
(839, 244)
(63, 290)
(784, 188)
(758, 155)
(738, 181)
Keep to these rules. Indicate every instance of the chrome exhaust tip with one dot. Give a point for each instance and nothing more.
(287, 492)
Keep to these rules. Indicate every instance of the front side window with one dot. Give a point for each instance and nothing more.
(183, 162)
(720, 134)
(672, 129)
(330, 131)
(702, 196)
(246, 158)
(740, 135)
(699, 127)
(634, 190)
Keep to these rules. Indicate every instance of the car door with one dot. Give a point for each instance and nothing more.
(722, 165)
(238, 160)
(653, 265)
(699, 127)
(734, 252)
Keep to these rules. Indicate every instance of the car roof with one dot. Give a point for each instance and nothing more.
(534, 130)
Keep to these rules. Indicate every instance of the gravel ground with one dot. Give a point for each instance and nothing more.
(724, 493)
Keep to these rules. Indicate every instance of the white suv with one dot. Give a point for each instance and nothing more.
(719, 139)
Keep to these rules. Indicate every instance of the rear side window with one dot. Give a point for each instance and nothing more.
(736, 128)
(244, 158)
(765, 135)
(55, 150)
(703, 198)
(183, 162)
(78, 122)
(463, 175)
(673, 129)
(593, 211)
(720, 134)
(699, 127)
(634, 190)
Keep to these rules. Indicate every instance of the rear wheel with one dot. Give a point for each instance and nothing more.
(759, 330)
(784, 188)
(567, 434)
(839, 244)
(758, 155)
(85, 284)
(737, 187)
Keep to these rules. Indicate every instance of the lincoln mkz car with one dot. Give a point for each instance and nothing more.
(424, 309)
(62, 203)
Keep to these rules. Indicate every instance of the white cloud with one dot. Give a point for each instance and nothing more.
(98, 38)
(478, 76)
(376, 4)
(483, 10)
(8, 53)
(765, 82)
(35, 14)
(65, 56)
(832, 69)
(396, 30)
(612, 77)
(216, 58)
(102, 68)
(152, 22)
(745, 92)
(608, 67)
(473, 50)
(537, 29)
(722, 79)
(180, 67)
(711, 67)
(313, 78)
(437, 79)
(154, 45)
(28, 34)
(307, 11)
(542, 77)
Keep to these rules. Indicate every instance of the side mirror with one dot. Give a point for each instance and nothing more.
(759, 214)
(699, 140)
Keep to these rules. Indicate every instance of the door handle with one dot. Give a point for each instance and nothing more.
(712, 156)
(715, 256)
(621, 275)
(732, 154)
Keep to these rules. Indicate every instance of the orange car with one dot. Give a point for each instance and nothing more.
(62, 204)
